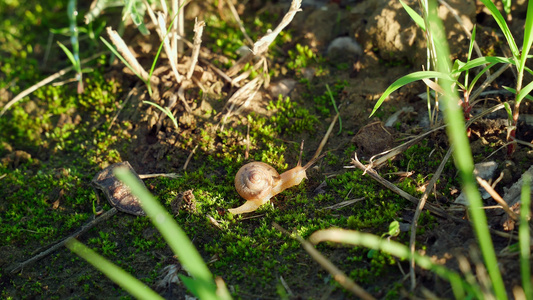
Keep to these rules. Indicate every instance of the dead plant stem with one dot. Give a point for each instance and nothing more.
(418, 211)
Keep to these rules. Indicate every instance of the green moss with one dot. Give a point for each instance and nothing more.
(323, 102)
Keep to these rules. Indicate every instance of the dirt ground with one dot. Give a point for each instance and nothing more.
(391, 46)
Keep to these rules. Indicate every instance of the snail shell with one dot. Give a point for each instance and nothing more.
(254, 181)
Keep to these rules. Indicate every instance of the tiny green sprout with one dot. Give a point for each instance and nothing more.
(394, 229)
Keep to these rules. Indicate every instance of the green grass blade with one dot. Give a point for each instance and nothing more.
(528, 40)
(470, 48)
(124, 279)
(510, 89)
(117, 54)
(528, 32)
(524, 237)
(476, 78)
(69, 54)
(456, 131)
(335, 107)
(524, 92)
(73, 28)
(507, 6)
(166, 111)
(416, 17)
(482, 61)
(401, 251)
(406, 80)
(503, 26)
(175, 237)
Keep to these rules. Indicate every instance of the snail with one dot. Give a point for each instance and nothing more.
(257, 182)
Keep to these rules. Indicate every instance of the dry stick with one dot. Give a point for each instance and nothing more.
(164, 7)
(181, 95)
(419, 208)
(189, 158)
(198, 30)
(239, 22)
(286, 286)
(248, 90)
(325, 138)
(44, 82)
(152, 15)
(166, 46)
(261, 46)
(181, 24)
(174, 30)
(432, 208)
(247, 73)
(168, 175)
(128, 97)
(483, 183)
(126, 53)
(335, 272)
(218, 71)
(108, 214)
(389, 154)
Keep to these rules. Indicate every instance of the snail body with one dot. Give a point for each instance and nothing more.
(257, 182)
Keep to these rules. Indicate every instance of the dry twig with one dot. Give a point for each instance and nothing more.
(44, 82)
(335, 272)
(261, 46)
(108, 214)
(419, 209)
(483, 183)
(432, 208)
(128, 56)
(198, 30)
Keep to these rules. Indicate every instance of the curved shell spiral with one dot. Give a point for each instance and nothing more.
(254, 181)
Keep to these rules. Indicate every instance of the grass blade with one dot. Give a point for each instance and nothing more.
(166, 111)
(175, 237)
(524, 237)
(482, 61)
(129, 283)
(510, 89)
(503, 26)
(69, 55)
(394, 248)
(416, 17)
(524, 92)
(117, 54)
(335, 107)
(463, 155)
(406, 80)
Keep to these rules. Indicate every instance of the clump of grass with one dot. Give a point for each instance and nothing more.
(456, 130)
